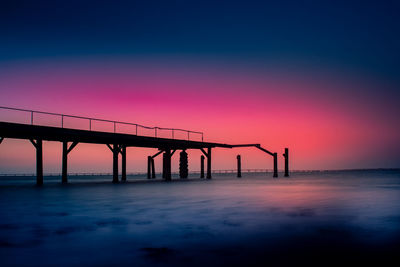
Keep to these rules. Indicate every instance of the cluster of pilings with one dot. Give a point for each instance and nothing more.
(167, 153)
(117, 149)
(183, 164)
(275, 156)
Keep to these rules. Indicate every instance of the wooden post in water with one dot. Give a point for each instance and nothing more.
(275, 164)
(64, 167)
(149, 167)
(123, 164)
(163, 165)
(202, 166)
(183, 165)
(153, 169)
(38, 144)
(168, 164)
(286, 155)
(239, 167)
(115, 163)
(209, 163)
(39, 162)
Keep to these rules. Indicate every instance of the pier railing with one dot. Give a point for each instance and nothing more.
(135, 129)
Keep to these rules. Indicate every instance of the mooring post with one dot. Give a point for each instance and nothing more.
(115, 163)
(183, 165)
(286, 155)
(239, 167)
(209, 163)
(64, 178)
(123, 164)
(202, 166)
(153, 168)
(275, 164)
(149, 167)
(168, 164)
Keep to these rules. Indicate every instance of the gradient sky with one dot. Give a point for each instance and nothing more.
(319, 77)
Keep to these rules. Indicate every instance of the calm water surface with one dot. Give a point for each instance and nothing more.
(309, 218)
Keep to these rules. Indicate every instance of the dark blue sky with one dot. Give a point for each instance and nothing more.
(353, 35)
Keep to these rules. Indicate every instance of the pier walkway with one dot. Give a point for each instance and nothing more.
(116, 141)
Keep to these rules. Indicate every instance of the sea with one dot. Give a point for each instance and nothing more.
(314, 218)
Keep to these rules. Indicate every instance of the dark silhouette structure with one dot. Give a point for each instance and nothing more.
(118, 144)
(239, 167)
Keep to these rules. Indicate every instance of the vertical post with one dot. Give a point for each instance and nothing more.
(286, 155)
(149, 167)
(115, 163)
(239, 167)
(123, 164)
(183, 165)
(153, 169)
(168, 164)
(209, 163)
(163, 165)
(64, 178)
(202, 166)
(275, 164)
(39, 162)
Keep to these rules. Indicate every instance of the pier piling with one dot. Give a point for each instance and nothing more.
(149, 163)
(38, 144)
(64, 168)
(209, 163)
(167, 168)
(183, 165)
(153, 169)
(202, 166)
(239, 167)
(64, 178)
(286, 155)
(123, 164)
(275, 164)
(115, 163)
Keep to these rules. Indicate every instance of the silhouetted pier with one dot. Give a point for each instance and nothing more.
(118, 142)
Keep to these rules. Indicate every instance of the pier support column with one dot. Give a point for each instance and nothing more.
(115, 151)
(183, 165)
(209, 163)
(163, 165)
(153, 168)
(149, 163)
(65, 152)
(202, 166)
(286, 155)
(38, 144)
(123, 163)
(239, 166)
(275, 164)
(168, 165)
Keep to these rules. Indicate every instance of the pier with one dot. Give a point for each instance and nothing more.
(118, 142)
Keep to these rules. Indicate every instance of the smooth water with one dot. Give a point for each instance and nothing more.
(316, 218)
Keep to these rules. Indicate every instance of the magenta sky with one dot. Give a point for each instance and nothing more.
(329, 120)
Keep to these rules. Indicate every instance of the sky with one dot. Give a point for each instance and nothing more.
(319, 77)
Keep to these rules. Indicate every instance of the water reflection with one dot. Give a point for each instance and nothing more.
(308, 218)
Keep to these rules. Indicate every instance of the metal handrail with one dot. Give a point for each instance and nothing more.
(115, 123)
